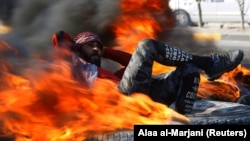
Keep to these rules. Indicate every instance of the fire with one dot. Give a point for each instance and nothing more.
(138, 22)
(133, 32)
(44, 102)
(141, 19)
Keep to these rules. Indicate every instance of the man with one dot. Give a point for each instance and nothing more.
(179, 85)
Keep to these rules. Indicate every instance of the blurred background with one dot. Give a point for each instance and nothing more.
(29, 24)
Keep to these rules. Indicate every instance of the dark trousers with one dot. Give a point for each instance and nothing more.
(180, 84)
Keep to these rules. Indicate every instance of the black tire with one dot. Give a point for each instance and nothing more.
(116, 136)
(208, 112)
(182, 18)
(205, 112)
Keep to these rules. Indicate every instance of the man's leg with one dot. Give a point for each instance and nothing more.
(180, 85)
(138, 73)
(213, 66)
(189, 84)
(137, 76)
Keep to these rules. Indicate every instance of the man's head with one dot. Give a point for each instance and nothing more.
(89, 47)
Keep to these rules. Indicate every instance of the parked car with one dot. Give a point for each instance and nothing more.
(213, 11)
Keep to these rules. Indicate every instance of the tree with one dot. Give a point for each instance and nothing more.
(200, 13)
(241, 5)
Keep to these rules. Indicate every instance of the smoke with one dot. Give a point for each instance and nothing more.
(35, 21)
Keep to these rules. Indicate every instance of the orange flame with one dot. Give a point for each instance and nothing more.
(227, 87)
(45, 103)
(138, 22)
(140, 19)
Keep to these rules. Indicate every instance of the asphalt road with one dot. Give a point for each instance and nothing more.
(231, 37)
(228, 37)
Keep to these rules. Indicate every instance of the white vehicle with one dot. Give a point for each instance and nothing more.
(213, 11)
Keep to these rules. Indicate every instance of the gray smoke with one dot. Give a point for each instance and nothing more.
(34, 21)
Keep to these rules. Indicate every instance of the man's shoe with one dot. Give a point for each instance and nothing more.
(224, 63)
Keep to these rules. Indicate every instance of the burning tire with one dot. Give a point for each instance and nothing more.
(205, 113)
(218, 113)
(116, 136)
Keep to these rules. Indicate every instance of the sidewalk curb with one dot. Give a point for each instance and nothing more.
(211, 33)
(239, 37)
(221, 36)
(4, 29)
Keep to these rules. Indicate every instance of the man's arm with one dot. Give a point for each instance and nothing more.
(117, 56)
(62, 39)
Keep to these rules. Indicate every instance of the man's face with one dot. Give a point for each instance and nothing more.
(91, 52)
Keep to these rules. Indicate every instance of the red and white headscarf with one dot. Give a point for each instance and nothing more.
(84, 37)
